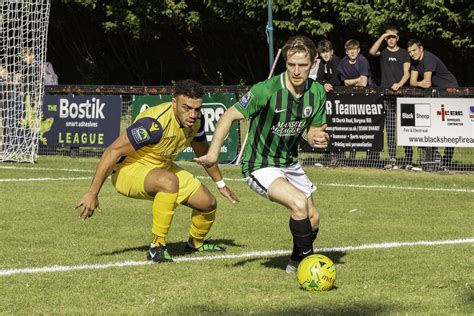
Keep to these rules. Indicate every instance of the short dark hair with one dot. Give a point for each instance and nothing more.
(391, 28)
(189, 88)
(297, 44)
(324, 46)
(414, 41)
(351, 43)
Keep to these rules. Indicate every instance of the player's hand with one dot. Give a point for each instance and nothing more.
(328, 87)
(207, 160)
(318, 137)
(225, 191)
(88, 205)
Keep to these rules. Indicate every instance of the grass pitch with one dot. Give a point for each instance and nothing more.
(40, 230)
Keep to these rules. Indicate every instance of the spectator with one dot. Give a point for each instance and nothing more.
(328, 76)
(433, 73)
(395, 66)
(354, 70)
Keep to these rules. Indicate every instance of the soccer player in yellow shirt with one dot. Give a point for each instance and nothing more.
(141, 161)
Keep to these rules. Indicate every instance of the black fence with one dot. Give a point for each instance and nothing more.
(377, 150)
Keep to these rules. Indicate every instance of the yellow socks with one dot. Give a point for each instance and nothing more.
(163, 211)
(201, 223)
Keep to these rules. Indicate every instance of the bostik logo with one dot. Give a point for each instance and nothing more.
(443, 113)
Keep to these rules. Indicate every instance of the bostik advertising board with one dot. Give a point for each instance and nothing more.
(80, 121)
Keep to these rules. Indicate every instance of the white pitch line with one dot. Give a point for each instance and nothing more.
(342, 185)
(47, 169)
(360, 186)
(44, 179)
(380, 186)
(255, 254)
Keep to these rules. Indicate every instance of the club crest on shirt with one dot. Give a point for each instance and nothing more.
(307, 111)
(245, 100)
(140, 134)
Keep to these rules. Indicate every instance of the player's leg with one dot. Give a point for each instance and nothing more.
(284, 193)
(298, 178)
(196, 196)
(314, 218)
(291, 188)
(158, 185)
(163, 186)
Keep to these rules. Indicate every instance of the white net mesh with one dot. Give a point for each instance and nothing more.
(23, 34)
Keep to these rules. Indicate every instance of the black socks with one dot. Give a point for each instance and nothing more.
(303, 238)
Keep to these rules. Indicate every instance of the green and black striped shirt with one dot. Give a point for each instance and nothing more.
(277, 120)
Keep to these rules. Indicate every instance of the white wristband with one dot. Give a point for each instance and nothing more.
(220, 184)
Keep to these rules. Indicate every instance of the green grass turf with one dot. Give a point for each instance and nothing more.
(39, 228)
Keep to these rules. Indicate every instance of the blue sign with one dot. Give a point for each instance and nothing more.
(80, 121)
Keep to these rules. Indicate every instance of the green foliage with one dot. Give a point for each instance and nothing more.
(229, 35)
(448, 20)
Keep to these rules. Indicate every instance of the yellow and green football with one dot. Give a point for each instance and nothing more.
(316, 273)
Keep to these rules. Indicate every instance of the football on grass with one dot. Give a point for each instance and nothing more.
(316, 273)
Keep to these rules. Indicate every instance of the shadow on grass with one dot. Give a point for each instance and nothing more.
(311, 308)
(280, 262)
(175, 248)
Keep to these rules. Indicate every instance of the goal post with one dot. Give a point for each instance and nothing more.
(23, 39)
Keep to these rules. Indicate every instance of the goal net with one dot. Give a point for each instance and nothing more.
(23, 34)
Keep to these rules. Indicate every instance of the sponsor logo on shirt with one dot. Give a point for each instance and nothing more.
(140, 134)
(245, 100)
(292, 128)
(392, 59)
(155, 127)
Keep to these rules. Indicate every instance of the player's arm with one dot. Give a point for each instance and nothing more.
(222, 129)
(90, 201)
(201, 148)
(318, 137)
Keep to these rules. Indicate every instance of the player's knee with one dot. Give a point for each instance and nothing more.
(211, 205)
(299, 206)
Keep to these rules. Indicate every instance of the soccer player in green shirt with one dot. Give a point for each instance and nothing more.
(280, 109)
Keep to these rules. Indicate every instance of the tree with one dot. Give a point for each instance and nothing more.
(224, 41)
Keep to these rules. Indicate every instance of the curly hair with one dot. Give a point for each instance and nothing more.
(189, 88)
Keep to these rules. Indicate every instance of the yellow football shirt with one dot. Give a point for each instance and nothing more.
(158, 137)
